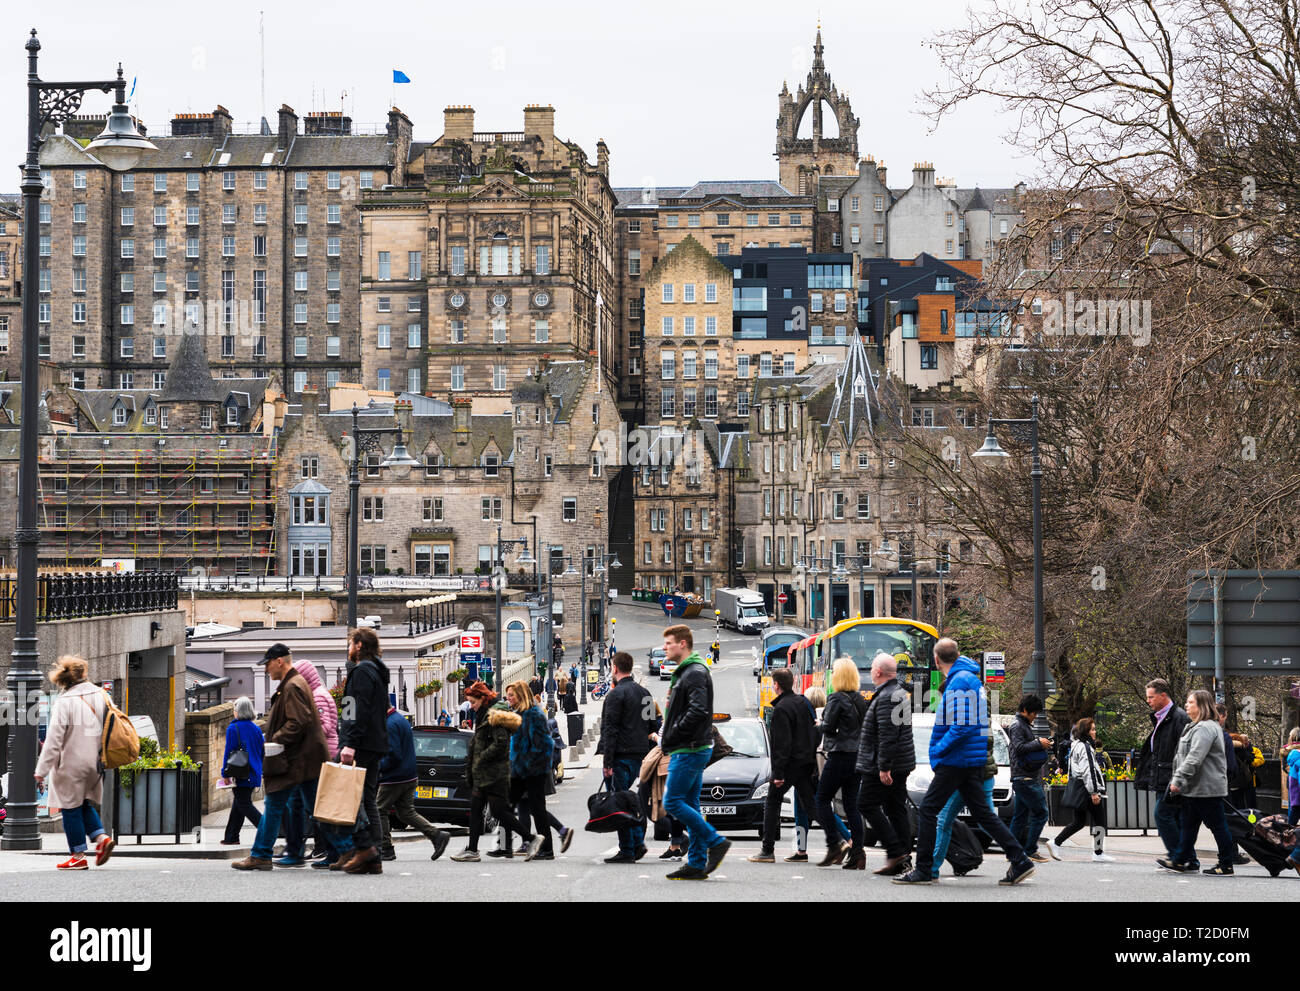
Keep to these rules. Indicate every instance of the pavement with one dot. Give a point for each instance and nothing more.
(580, 875)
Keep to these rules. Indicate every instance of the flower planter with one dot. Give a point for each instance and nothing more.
(1129, 807)
(158, 802)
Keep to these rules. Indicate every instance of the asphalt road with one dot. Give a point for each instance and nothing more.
(581, 875)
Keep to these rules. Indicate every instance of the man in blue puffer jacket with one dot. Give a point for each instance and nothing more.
(958, 753)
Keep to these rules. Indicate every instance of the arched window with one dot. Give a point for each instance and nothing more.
(515, 638)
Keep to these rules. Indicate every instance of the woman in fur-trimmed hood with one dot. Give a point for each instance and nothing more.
(488, 770)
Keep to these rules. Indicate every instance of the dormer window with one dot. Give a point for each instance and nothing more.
(119, 416)
(432, 465)
(232, 415)
(491, 465)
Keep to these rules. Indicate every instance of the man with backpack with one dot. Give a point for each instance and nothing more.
(1028, 758)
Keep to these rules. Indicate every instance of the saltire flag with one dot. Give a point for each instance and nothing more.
(400, 77)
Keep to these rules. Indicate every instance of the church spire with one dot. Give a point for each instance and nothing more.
(818, 64)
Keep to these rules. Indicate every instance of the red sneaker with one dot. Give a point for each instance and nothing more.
(104, 850)
(77, 862)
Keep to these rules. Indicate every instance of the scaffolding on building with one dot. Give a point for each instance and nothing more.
(178, 502)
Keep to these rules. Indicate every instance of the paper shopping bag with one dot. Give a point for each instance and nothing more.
(338, 795)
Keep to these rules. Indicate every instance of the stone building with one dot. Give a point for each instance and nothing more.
(252, 238)
(177, 479)
(529, 465)
(11, 278)
(687, 537)
(805, 160)
(493, 254)
(829, 488)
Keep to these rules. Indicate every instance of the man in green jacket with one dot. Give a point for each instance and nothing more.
(687, 739)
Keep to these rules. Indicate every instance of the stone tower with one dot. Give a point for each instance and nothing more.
(803, 161)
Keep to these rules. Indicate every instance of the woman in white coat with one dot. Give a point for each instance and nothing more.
(70, 761)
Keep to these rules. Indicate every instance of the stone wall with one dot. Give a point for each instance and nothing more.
(205, 739)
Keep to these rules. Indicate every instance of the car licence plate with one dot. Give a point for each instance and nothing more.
(718, 810)
(429, 792)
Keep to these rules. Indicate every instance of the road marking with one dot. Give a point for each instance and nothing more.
(485, 875)
(1105, 880)
(404, 874)
(642, 877)
(164, 872)
(561, 875)
(797, 877)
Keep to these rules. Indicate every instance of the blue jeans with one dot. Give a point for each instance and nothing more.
(627, 773)
(296, 825)
(802, 825)
(80, 821)
(277, 802)
(1169, 824)
(1029, 814)
(944, 834)
(682, 802)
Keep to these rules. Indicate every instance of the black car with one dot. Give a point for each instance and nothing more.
(656, 658)
(734, 790)
(441, 753)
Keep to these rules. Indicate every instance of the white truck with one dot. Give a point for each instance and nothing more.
(742, 609)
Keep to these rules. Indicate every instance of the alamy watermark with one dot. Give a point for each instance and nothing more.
(1071, 317)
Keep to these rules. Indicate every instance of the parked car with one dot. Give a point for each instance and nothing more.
(656, 656)
(441, 753)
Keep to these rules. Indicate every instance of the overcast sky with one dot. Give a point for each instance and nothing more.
(680, 91)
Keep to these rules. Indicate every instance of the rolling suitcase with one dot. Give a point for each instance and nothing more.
(1266, 839)
(964, 851)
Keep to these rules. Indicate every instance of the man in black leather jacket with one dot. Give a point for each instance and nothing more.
(363, 738)
(627, 719)
(688, 741)
(794, 760)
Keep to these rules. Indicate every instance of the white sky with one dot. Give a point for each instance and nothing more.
(680, 91)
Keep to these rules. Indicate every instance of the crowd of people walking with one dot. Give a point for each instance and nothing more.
(821, 748)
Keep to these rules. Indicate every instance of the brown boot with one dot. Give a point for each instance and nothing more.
(856, 860)
(343, 861)
(834, 855)
(895, 865)
(252, 864)
(361, 861)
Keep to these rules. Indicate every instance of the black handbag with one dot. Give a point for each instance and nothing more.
(238, 766)
(609, 810)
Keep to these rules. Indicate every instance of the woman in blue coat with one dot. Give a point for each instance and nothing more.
(243, 733)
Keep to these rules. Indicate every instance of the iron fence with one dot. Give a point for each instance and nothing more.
(81, 595)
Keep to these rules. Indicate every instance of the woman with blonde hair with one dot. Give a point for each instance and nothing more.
(840, 723)
(70, 761)
(1200, 782)
(530, 762)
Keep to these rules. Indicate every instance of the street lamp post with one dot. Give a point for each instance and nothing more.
(365, 442)
(119, 146)
(1036, 683)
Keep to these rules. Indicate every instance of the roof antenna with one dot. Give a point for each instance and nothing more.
(261, 35)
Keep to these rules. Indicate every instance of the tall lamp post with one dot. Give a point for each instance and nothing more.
(598, 570)
(1036, 683)
(119, 146)
(366, 442)
(499, 581)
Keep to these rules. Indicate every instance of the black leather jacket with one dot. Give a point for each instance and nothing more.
(1156, 758)
(688, 723)
(626, 721)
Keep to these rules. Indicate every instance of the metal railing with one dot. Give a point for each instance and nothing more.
(78, 596)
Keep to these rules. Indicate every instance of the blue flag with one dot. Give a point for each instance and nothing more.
(400, 77)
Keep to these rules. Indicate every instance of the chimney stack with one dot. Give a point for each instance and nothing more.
(540, 121)
(458, 124)
(288, 128)
(602, 158)
(923, 174)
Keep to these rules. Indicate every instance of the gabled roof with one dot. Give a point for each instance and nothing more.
(687, 250)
